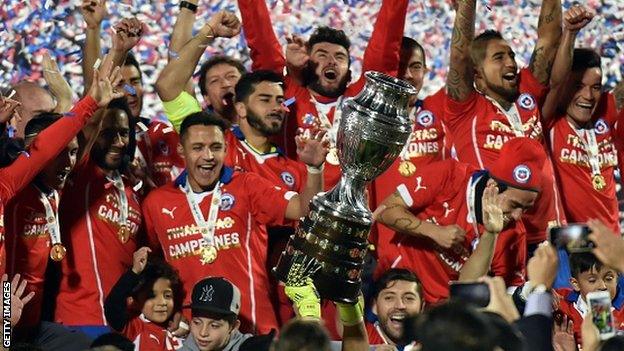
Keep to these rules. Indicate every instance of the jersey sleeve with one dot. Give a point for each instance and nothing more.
(148, 222)
(509, 260)
(619, 139)
(177, 109)
(265, 49)
(530, 84)
(46, 146)
(382, 52)
(421, 189)
(457, 111)
(267, 202)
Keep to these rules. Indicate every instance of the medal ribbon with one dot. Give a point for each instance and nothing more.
(52, 223)
(591, 146)
(207, 228)
(471, 191)
(332, 128)
(513, 117)
(404, 155)
(123, 198)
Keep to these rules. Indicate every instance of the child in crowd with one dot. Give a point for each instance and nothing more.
(143, 301)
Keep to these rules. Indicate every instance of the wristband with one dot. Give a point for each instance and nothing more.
(351, 315)
(188, 5)
(316, 170)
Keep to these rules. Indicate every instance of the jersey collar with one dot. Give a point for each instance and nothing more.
(226, 176)
(238, 133)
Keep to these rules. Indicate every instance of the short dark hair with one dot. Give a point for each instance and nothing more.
(132, 61)
(615, 343)
(583, 262)
(213, 61)
(40, 122)
(452, 326)
(302, 335)
(324, 34)
(479, 44)
(155, 269)
(203, 118)
(392, 275)
(247, 83)
(585, 58)
(407, 46)
(114, 339)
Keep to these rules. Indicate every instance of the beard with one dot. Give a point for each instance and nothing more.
(312, 81)
(510, 94)
(267, 129)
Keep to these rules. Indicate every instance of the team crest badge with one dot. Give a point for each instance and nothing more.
(526, 101)
(227, 201)
(601, 127)
(288, 178)
(522, 174)
(163, 147)
(425, 118)
(308, 119)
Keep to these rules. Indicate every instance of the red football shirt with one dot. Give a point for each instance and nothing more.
(479, 131)
(571, 161)
(96, 258)
(428, 143)
(157, 145)
(382, 54)
(49, 143)
(438, 193)
(149, 336)
(248, 203)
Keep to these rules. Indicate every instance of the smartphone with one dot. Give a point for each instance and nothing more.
(600, 304)
(477, 294)
(572, 237)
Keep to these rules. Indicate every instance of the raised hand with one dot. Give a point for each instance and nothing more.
(18, 301)
(93, 11)
(577, 17)
(139, 259)
(59, 87)
(493, 218)
(542, 267)
(448, 236)
(312, 150)
(609, 245)
(105, 79)
(563, 334)
(224, 24)
(296, 51)
(7, 109)
(127, 35)
(501, 303)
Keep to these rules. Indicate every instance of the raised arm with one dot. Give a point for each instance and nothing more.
(173, 78)
(460, 80)
(574, 20)
(182, 33)
(127, 34)
(265, 49)
(312, 151)
(93, 12)
(59, 88)
(548, 37)
(618, 92)
(382, 52)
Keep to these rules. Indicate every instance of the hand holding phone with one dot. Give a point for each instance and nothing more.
(572, 237)
(477, 294)
(600, 305)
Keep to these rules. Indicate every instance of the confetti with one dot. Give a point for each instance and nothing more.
(97, 63)
(130, 89)
(290, 101)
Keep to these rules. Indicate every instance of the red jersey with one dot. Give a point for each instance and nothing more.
(273, 166)
(149, 336)
(438, 193)
(96, 257)
(574, 173)
(46, 146)
(427, 143)
(28, 247)
(248, 203)
(480, 129)
(374, 334)
(156, 151)
(382, 55)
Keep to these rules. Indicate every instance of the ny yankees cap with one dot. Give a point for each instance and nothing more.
(215, 295)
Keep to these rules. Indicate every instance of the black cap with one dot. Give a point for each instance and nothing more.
(215, 295)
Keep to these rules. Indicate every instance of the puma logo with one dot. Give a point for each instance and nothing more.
(418, 185)
(447, 210)
(169, 212)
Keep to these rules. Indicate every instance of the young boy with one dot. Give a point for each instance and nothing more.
(215, 304)
(589, 275)
(156, 292)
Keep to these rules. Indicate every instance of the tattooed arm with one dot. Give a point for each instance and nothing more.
(618, 92)
(395, 215)
(459, 83)
(548, 36)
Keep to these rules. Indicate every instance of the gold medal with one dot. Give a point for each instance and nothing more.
(208, 254)
(599, 182)
(58, 251)
(332, 157)
(407, 168)
(123, 233)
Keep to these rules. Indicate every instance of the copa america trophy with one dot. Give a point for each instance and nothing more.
(330, 243)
